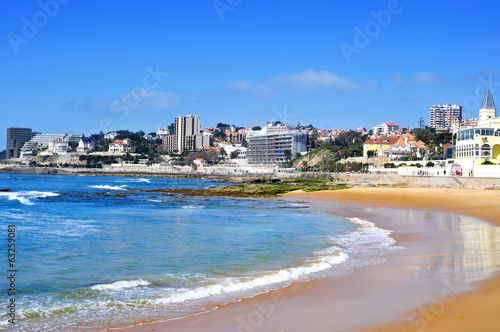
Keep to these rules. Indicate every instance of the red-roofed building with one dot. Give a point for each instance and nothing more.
(121, 146)
(200, 162)
(378, 145)
(385, 129)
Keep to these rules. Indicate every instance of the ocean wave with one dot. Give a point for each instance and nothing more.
(154, 200)
(119, 285)
(368, 235)
(229, 285)
(122, 187)
(136, 180)
(193, 206)
(24, 196)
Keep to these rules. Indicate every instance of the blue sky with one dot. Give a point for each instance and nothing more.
(85, 66)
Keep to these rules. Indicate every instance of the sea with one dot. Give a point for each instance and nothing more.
(94, 252)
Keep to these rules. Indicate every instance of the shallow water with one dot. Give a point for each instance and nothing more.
(92, 252)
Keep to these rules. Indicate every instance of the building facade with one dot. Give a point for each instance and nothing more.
(16, 138)
(58, 146)
(442, 117)
(122, 146)
(385, 129)
(188, 134)
(85, 145)
(170, 143)
(267, 146)
(476, 145)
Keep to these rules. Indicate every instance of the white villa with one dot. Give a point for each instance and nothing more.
(120, 146)
(58, 146)
(85, 145)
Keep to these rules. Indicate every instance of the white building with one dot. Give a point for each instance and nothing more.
(111, 135)
(121, 146)
(241, 152)
(58, 146)
(188, 134)
(443, 116)
(85, 145)
(385, 129)
(162, 132)
(457, 125)
(268, 146)
(480, 144)
(39, 142)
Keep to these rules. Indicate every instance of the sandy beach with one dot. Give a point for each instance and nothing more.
(435, 284)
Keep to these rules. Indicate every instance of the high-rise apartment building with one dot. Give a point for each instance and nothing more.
(442, 116)
(188, 134)
(16, 137)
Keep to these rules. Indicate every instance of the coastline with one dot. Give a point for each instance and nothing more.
(310, 304)
(476, 309)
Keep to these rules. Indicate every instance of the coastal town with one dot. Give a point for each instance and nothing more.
(250, 166)
(449, 146)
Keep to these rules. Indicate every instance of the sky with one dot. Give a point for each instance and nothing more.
(85, 66)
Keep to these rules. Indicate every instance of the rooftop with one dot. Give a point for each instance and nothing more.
(488, 100)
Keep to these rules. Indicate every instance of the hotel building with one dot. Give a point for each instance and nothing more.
(267, 146)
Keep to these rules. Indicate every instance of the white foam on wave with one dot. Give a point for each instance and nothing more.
(229, 285)
(193, 206)
(136, 180)
(122, 187)
(154, 200)
(24, 196)
(368, 235)
(119, 285)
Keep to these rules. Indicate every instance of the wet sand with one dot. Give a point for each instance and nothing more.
(429, 286)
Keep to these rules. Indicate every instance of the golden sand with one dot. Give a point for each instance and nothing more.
(308, 306)
(474, 311)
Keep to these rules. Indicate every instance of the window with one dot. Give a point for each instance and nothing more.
(485, 150)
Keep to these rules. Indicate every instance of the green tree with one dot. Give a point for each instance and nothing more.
(234, 154)
(219, 135)
(288, 154)
(223, 153)
(313, 139)
(222, 126)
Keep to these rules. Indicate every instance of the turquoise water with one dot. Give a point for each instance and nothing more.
(95, 252)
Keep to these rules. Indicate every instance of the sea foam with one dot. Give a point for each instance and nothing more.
(24, 196)
(119, 285)
(122, 187)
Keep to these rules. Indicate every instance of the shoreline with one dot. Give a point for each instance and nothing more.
(278, 310)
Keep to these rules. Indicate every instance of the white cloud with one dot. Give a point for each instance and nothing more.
(306, 80)
(260, 90)
(428, 78)
(311, 79)
(159, 100)
(145, 99)
(397, 78)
